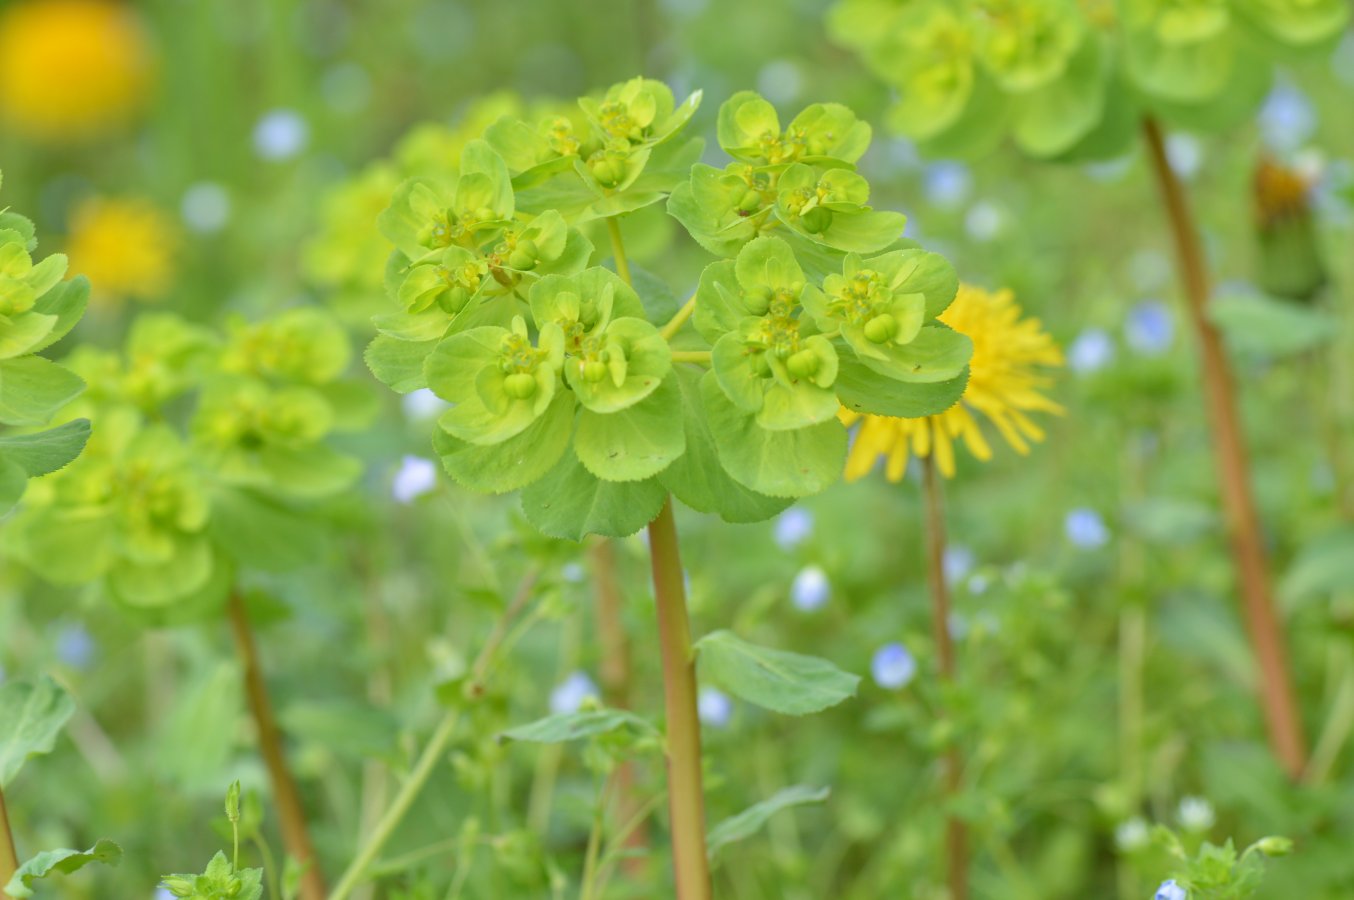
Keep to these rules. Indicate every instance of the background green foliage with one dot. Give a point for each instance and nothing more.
(370, 609)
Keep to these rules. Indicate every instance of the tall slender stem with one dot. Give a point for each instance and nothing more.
(956, 832)
(615, 672)
(291, 814)
(686, 797)
(613, 228)
(432, 752)
(1277, 694)
(9, 857)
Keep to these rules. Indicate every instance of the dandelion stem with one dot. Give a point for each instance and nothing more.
(291, 814)
(669, 331)
(618, 249)
(686, 798)
(956, 832)
(9, 857)
(616, 673)
(1277, 694)
(432, 752)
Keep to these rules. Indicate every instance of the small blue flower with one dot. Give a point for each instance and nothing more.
(1169, 890)
(422, 404)
(1185, 153)
(571, 693)
(416, 477)
(1150, 328)
(958, 563)
(205, 207)
(793, 527)
(948, 183)
(281, 134)
(75, 647)
(162, 893)
(893, 667)
(985, 221)
(573, 572)
(1086, 529)
(810, 589)
(714, 707)
(1287, 119)
(1091, 351)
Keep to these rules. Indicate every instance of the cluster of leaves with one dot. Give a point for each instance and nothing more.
(209, 448)
(1070, 79)
(37, 309)
(562, 384)
(1216, 872)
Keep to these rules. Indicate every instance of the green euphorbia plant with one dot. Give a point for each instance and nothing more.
(209, 459)
(566, 385)
(37, 309)
(1070, 79)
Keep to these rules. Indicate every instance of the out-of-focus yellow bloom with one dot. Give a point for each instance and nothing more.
(1004, 384)
(126, 246)
(71, 68)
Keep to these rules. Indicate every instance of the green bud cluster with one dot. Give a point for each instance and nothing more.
(1068, 79)
(219, 881)
(209, 446)
(560, 381)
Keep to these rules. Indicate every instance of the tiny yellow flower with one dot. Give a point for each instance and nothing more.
(71, 68)
(1004, 384)
(126, 246)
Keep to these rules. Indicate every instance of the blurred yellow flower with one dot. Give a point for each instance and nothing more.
(71, 68)
(1003, 386)
(126, 246)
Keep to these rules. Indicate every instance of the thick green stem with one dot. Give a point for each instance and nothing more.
(701, 357)
(433, 752)
(286, 795)
(956, 832)
(618, 249)
(9, 857)
(669, 331)
(1278, 696)
(686, 797)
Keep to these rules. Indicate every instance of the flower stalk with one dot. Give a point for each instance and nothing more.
(956, 832)
(1277, 693)
(9, 857)
(286, 794)
(686, 797)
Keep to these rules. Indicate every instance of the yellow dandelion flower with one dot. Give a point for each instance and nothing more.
(125, 246)
(1004, 385)
(71, 68)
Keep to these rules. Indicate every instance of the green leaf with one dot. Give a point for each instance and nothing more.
(697, 477)
(398, 364)
(562, 727)
(62, 862)
(778, 463)
(518, 461)
(635, 443)
(31, 715)
(13, 483)
(1323, 567)
(32, 389)
(66, 301)
(1270, 327)
(748, 822)
(261, 533)
(1051, 119)
(864, 390)
(773, 679)
(571, 503)
(44, 452)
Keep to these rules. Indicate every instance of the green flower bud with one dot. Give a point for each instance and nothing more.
(520, 385)
(594, 370)
(1274, 846)
(454, 299)
(750, 202)
(803, 364)
(524, 256)
(608, 172)
(759, 299)
(817, 220)
(485, 214)
(178, 885)
(881, 328)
